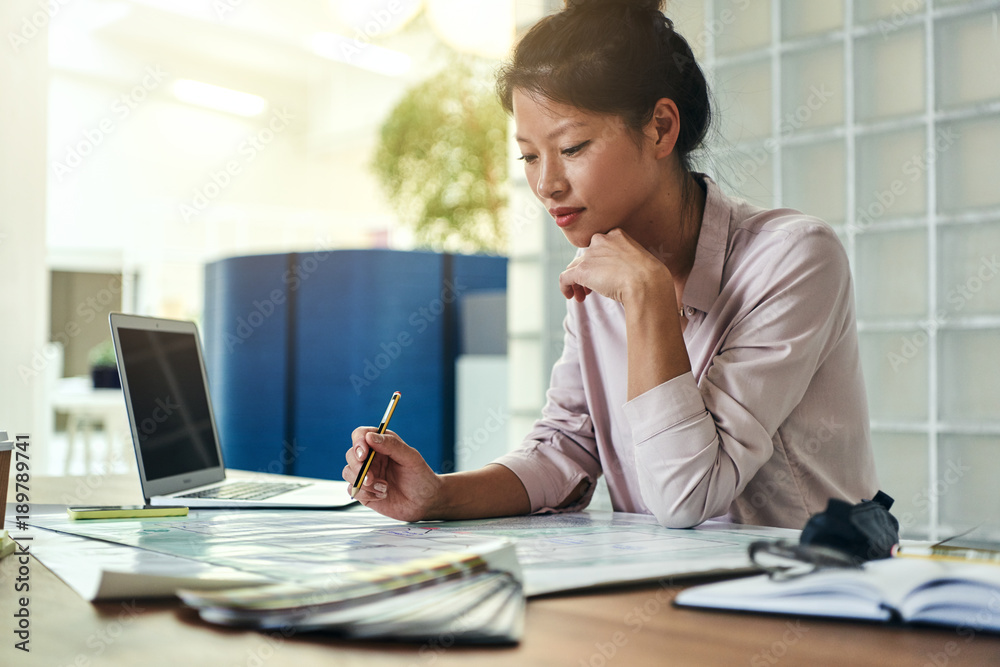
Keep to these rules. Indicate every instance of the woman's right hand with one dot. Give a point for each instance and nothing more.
(399, 483)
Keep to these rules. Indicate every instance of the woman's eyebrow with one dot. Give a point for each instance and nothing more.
(560, 129)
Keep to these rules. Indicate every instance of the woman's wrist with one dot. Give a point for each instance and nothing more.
(437, 503)
(493, 490)
(652, 288)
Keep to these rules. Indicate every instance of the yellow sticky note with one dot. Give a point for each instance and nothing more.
(7, 545)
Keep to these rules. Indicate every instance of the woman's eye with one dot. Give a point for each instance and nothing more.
(573, 150)
(528, 159)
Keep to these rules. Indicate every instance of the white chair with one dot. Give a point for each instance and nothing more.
(86, 409)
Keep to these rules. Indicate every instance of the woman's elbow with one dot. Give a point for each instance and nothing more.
(684, 512)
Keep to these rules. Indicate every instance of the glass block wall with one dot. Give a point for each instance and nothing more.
(883, 118)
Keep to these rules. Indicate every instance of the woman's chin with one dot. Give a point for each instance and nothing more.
(578, 237)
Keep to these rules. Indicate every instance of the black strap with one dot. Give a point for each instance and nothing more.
(866, 531)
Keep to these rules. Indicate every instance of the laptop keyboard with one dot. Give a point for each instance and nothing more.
(245, 490)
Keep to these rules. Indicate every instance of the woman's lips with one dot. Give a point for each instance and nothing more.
(565, 216)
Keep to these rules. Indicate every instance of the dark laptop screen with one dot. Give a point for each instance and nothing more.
(169, 402)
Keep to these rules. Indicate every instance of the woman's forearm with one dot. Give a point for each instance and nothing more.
(656, 351)
(491, 491)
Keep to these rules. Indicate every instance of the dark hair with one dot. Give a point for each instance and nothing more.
(612, 56)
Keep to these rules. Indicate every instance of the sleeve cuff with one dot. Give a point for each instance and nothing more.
(664, 406)
(547, 487)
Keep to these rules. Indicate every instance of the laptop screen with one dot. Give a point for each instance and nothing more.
(169, 402)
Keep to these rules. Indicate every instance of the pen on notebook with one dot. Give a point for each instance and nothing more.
(953, 554)
(371, 452)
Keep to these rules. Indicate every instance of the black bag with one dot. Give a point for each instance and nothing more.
(866, 531)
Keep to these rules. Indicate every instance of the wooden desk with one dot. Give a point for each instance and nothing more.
(633, 626)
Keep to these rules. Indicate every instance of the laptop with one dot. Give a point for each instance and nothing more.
(173, 428)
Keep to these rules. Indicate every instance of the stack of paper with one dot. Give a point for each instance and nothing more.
(466, 597)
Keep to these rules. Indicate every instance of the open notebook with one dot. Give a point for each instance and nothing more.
(911, 590)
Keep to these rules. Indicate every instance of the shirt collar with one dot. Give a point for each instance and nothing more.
(705, 280)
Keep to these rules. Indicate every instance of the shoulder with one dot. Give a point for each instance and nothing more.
(782, 224)
(784, 239)
(787, 269)
(769, 233)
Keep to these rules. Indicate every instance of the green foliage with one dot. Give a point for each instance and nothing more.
(103, 355)
(442, 161)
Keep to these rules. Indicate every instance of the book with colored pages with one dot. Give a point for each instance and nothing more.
(907, 590)
(466, 597)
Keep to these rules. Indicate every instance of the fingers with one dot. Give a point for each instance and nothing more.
(358, 450)
(570, 288)
(568, 281)
(356, 456)
(365, 437)
(394, 459)
(358, 434)
(371, 488)
(371, 492)
(350, 474)
(392, 445)
(353, 469)
(613, 237)
(365, 440)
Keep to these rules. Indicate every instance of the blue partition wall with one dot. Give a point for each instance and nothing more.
(354, 326)
(356, 321)
(245, 334)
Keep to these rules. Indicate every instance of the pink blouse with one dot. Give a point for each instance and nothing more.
(771, 422)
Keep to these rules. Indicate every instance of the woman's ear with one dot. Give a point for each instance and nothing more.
(665, 126)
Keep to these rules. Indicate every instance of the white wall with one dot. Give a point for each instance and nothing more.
(481, 410)
(23, 276)
(154, 186)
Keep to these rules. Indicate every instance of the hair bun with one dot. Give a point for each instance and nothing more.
(615, 57)
(648, 5)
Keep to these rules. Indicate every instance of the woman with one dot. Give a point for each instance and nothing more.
(711, 363)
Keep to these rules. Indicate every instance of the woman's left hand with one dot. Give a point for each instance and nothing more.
(614, 265)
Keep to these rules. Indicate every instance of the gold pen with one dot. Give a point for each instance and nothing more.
(371, 452)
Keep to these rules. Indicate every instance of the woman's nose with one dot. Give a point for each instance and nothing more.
(551, 181)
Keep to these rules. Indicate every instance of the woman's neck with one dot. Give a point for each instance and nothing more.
(670, 233)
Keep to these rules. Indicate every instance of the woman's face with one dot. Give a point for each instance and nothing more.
(586, 168)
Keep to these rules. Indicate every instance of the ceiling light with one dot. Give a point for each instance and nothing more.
(360, 53)
(376, 18)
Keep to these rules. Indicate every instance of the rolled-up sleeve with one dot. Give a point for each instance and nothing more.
(697, 445)
(561, 449)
